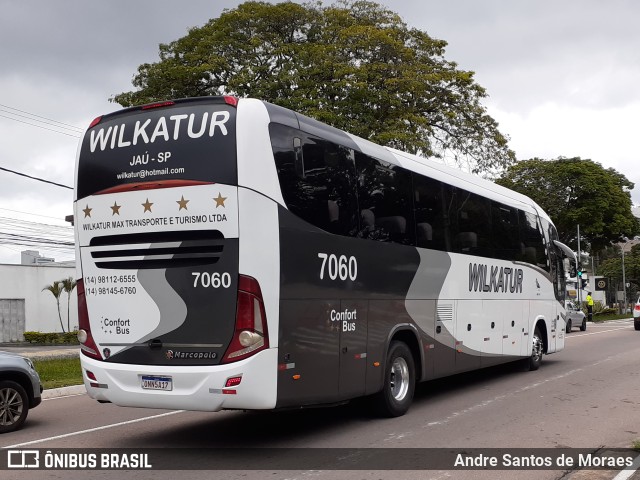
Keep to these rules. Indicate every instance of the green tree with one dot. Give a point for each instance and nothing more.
(56, 290)
(575, 192)
(612, 268)
(355, 65)
(68, 284)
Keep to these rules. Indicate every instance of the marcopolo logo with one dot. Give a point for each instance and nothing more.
(178, 355)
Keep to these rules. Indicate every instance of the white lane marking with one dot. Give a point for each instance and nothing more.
(63, 396)
(626, 474)
(498, 398)
(89, 430)
(594, 333)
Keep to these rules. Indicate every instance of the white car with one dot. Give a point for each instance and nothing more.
(576, 317)
(636, 315)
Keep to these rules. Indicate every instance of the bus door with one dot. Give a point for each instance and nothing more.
(353, 347)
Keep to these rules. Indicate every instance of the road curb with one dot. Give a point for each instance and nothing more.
(63, 391)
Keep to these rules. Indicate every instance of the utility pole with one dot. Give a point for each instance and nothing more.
(579, 268)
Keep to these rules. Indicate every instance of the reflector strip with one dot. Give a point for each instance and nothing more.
(286, 366)
(233, 381)
(358, 356)
(226, 391)
(99, 385)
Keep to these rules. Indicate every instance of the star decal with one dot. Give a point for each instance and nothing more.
(147, 206)
(182, 202)
(115, 208)
(220, 200)
(87, 211)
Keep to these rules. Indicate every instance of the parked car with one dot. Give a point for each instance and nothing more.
(20, 390)
(636, 315)
(575, 317)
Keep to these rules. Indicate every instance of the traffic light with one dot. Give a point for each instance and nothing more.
(579, 272)
(583, 282)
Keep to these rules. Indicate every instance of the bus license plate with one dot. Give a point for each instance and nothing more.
(157, 383)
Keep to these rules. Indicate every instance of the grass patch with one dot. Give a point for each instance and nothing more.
(611, 316)
(59, 372)
(636, 445)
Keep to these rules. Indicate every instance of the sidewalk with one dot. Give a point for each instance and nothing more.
(41, 352)
(44, 352)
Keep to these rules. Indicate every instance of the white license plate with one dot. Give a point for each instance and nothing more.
(154, 382)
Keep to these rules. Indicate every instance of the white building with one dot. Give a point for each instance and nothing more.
(33, 257)
(25, 307)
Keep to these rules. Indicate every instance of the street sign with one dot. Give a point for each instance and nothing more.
(601, 284)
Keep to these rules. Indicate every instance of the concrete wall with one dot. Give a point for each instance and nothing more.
(41, 312)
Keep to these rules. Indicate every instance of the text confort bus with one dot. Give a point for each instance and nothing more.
(234, 254)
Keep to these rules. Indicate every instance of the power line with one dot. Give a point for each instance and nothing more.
(36, 178)
(72, 127)
(55, 240)
(27, 213)
(40, 126)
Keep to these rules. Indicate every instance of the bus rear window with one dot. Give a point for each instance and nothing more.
(191, 142)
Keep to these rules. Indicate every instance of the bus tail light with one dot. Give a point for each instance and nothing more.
(250, 335)
(87, 344)
(229, 100)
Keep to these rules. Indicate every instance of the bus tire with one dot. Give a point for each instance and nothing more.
(398, 383)
(537, 350)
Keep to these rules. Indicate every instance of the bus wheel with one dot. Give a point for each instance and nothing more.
(399, 381)
(537, 348)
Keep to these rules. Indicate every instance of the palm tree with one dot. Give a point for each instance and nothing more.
(56, 290)
(68, 284)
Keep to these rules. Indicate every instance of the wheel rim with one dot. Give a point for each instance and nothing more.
(399, 379)
(536, 352)
(11, 406)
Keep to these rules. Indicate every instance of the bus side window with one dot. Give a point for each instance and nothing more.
(505, 232)
(474, 225)
(431, 203)
(317, 179)
(533, 241)
(385, 201)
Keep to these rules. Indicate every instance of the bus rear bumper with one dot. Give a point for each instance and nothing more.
(200, 388)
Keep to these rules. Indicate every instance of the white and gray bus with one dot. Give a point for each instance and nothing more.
(233, 254)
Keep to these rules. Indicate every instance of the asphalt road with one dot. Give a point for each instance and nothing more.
(587, 396)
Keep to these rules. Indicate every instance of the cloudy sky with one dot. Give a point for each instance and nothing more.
(563, 79)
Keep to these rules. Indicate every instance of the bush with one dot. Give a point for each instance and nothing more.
(606, 311)
(598, 307)
(70, 338)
